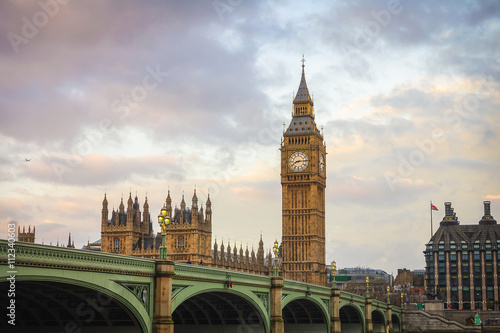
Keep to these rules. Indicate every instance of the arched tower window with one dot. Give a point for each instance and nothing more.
(180, 242)
(116, 244)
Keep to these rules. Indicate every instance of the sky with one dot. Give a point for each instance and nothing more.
(143, 97)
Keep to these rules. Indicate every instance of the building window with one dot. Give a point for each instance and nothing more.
(453, 256)
(180, 242)
(488, 255)
(465, 257)
(116, 245)
(477, 255)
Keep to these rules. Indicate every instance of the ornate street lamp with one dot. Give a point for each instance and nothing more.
(163, 221)
(388, 293)
(334, 272)
(367, 287)
(276, 250)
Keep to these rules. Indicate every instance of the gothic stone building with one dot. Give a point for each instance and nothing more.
(23, 236)
(189, 236)
(188, 240)
(303, 181)
(462, 262)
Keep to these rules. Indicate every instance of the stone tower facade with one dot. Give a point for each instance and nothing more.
(23, 236)
(303, 181)
(188, 239)
(126, 227)
(189, 235)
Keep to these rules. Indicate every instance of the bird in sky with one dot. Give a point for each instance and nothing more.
(27, 160)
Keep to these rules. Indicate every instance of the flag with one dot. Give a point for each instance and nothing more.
(433, 207)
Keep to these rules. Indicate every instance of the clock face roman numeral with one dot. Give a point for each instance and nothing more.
(298, 161)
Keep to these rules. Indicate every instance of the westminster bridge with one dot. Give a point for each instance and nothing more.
(67, 290)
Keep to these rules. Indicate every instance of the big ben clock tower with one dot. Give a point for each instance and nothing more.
(303, 181)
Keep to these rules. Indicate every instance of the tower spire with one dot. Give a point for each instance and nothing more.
(302, 96)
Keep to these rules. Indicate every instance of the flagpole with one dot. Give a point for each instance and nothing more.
(431, 218)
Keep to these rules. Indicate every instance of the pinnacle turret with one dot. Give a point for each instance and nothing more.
(130, 202)
(194, 205)
(183, 203)
(122, 206)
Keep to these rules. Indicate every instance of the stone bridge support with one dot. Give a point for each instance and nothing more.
(368, 316)
(388, 315)
(162, 315)
(335, 324)
(277, 323)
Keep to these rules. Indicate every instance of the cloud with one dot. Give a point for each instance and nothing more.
(97, 169)
(77, 99)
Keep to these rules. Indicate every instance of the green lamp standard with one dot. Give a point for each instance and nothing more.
(163, 221)
(276, 250)
(334, 272)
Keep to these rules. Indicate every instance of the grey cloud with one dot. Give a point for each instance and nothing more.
(471, 164)
(379, 131)
(96, 62)
(99, 170)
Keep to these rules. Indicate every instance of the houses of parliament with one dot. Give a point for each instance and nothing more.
(189, 236)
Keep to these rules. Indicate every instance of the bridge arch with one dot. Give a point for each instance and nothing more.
(396, 323)
(378, 320)
(304, 314)
(351, 318)
(85, 301)
(235, 309)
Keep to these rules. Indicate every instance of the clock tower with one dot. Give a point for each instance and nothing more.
(303, 181)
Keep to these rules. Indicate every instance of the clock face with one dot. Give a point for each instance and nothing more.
(321, 163)
(298, 161)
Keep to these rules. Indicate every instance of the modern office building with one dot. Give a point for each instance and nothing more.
(462, 262)
(358, 275)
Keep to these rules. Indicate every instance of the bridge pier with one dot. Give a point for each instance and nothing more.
(162, 314)
(403, 319)
(368, 316)
(277, 323)
(389, 316)
(335, 325)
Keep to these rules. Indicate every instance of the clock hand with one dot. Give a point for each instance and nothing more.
(297, 162)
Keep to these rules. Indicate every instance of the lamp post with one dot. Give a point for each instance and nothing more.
(163, 221)
(334, 272)
(367, 287)
(388, 294)
(276, 250)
